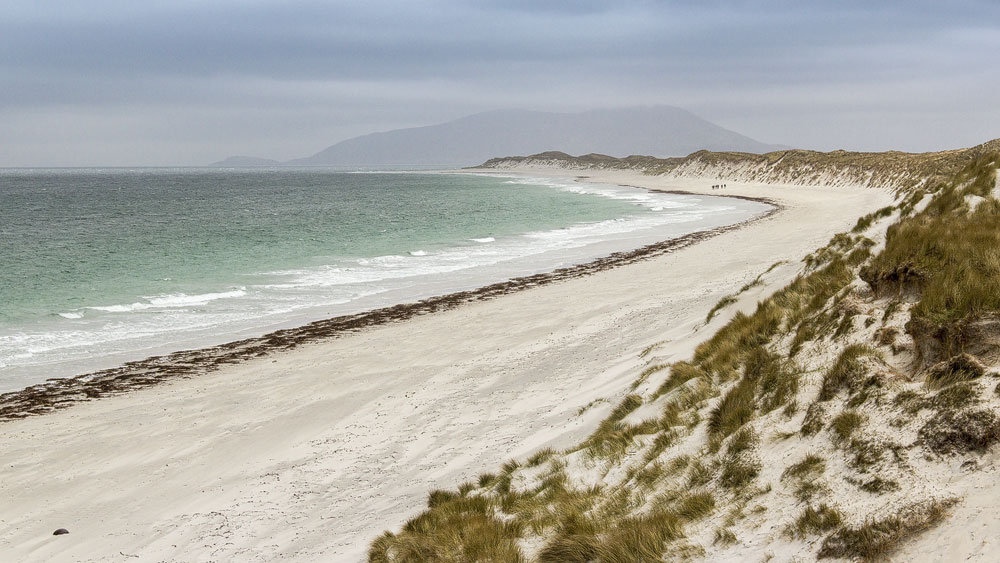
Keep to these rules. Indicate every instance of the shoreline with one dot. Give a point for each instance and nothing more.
(310, 454)
(63, 392)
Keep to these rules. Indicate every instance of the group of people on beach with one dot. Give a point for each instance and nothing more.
(719, 186)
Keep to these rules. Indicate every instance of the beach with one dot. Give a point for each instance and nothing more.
(310, 453)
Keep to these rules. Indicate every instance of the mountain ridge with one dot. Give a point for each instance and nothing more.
(660, 130)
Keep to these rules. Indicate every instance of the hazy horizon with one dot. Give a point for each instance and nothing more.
(114, 83)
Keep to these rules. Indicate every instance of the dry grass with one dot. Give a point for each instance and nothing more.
(847, 372)
(955, 397)
(682, 409)
(700, 474)
(722, 304)
(845, 424)
(649, 349)
(612, 437)
(950, 432)
(649, 475)
(730, 299)
(876, 539)
(767, 383)
(735, 409)
(805, 476)
(680, 373)
(815, 521)
(865, 454)
(957, 369)
(894, 168)
(644, 375)
(724, 537)
(695, 506)
(639, 538)
(810, 467)
(779, 384)
(950, 254)
(722, 355)
(540, 457)
(453, 529)
(877, 485)
(812, 423)
(865, 222)
(738, 472)
(742, 441)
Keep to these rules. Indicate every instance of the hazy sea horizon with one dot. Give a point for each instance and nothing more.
(106, 265)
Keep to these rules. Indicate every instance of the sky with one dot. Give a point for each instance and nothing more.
(126, 83)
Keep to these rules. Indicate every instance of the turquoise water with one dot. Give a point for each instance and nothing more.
(97, 266)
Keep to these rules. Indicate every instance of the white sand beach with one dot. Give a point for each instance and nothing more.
(308, 455)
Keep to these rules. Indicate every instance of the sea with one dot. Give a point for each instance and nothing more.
(103, 266)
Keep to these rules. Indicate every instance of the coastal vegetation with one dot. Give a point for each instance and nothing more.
(865, 376)
(906, 173)
(731, 299)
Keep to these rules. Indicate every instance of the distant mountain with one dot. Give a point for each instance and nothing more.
(245, 161)
(657, 131)
(660, 131)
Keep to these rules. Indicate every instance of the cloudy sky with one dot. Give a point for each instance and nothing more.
(104, 82)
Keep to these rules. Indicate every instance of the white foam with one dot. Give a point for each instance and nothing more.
(357, 277)
(171, 300)
(71, 315)
(651, 200)
(182, 300)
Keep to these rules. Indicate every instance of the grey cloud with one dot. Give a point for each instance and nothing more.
(354, 67)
